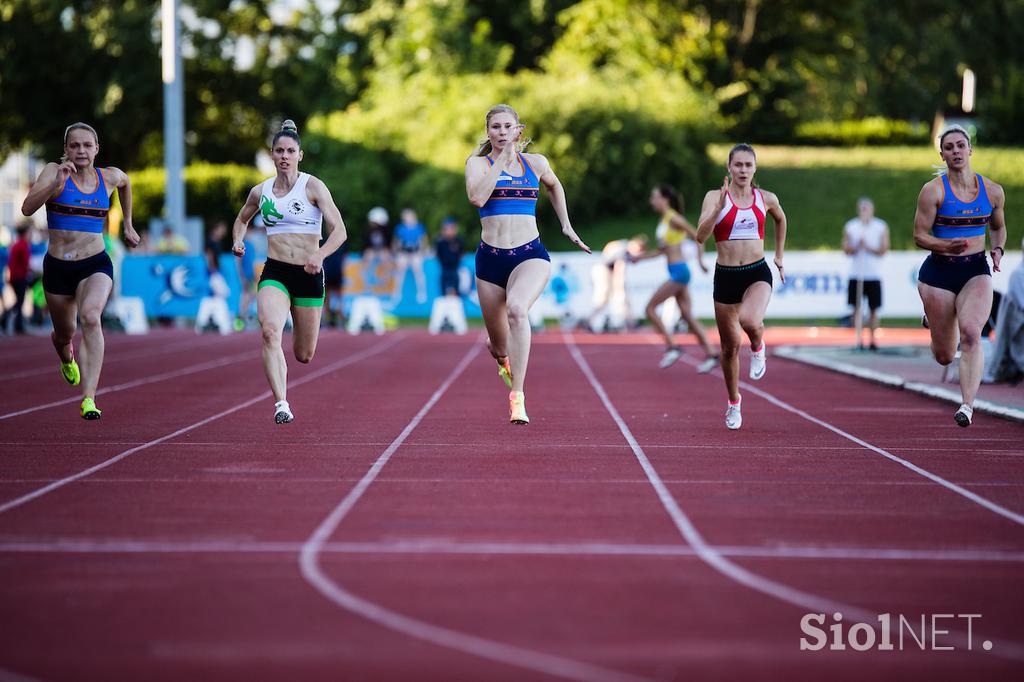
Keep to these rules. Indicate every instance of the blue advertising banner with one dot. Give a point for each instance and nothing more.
(172, 286)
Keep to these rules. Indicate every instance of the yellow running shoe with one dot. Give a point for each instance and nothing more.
(517, 408)
(505, 372)
(69, 370)
(89, 409)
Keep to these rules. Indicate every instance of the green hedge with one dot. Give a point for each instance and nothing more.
(213, 192)
(407, 142)
(873, 130)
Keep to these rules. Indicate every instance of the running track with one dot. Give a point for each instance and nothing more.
(401, 529)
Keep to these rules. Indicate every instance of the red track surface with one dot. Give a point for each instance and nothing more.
(476, 550)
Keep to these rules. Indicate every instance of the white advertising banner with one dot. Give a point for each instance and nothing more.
(815, 285)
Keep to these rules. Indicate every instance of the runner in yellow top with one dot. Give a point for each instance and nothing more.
(671, 235)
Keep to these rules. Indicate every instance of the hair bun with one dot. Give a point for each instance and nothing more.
(289, 125)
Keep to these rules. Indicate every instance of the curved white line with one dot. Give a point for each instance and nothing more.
(478, 646)
(356, 357)
(714, 558)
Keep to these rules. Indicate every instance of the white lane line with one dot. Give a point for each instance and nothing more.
(443, 547)
(185, 371)
(508, 654)
(921, 471)
(379, 347)
(711, 556)
(545, 447)
(219, 477)
(118, 356)
(11, 676)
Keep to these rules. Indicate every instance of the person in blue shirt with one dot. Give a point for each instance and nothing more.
(77, 272)
(954, 212)
(512, 265)
(409, 240)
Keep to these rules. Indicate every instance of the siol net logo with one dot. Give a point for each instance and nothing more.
(934, 632)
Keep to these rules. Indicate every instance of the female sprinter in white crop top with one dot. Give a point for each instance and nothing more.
(743, 282)
(293, 206)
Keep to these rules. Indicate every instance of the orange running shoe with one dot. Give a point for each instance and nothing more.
(505, 372)
(517, 408)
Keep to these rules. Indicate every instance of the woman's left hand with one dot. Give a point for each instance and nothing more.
(997, 256)
(314, 264)
(782, 273)
(575, 239)
(131, 237)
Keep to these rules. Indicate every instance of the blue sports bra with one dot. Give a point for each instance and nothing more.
(76, 211)
(513, 195)
(957, 218)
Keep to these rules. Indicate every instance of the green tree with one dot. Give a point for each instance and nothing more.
(84, 60)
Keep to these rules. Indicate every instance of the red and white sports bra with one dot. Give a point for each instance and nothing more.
(735, 222)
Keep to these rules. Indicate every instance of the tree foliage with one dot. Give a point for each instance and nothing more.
(769, 66)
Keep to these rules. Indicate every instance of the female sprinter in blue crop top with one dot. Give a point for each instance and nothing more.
(953, 211)
(512, 266)
(77, 273)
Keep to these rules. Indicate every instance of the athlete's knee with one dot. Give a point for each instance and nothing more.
(751, 325)
(651, 310)
(271, 333)
(970, 337)
(730, 349)
(943, 356)
(518, 314)
(90, 320)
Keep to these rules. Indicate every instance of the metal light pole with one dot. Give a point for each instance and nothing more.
(174, 116)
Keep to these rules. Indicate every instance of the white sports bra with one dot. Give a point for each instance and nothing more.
(292, 213)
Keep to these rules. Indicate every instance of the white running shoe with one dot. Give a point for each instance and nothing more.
(757, 363)
(733, 418)
(709, 364)
(964, 415)
(282, 412)
(670, 357)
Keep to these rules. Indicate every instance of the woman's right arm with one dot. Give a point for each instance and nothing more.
(481, 179)
(714, 202)
(249, 208)
(50, 181)
(927, 206)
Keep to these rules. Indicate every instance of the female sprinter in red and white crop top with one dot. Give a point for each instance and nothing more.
(743, 282)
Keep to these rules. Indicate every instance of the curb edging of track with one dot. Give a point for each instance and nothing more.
(895, 381)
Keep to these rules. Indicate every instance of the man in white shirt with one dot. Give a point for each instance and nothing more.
(866, 240)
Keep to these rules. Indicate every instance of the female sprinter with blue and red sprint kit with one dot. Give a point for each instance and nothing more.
(512, 266)
(77, 273)
(954, 282)
(743, 281)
